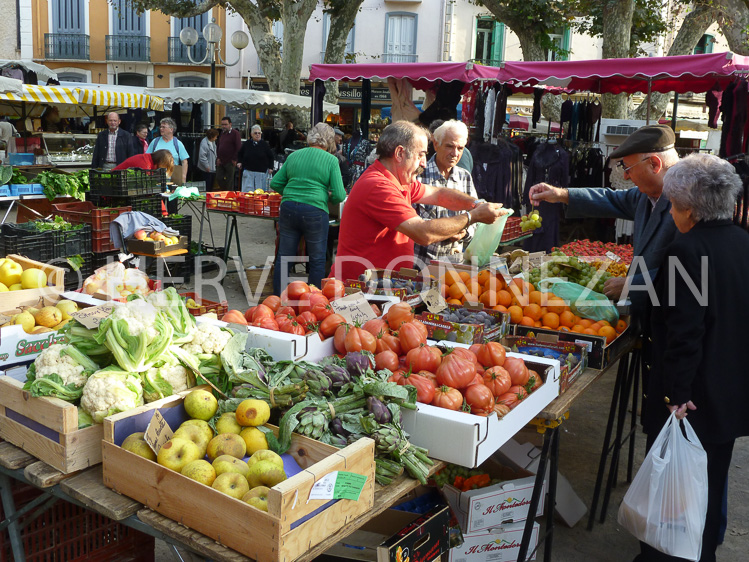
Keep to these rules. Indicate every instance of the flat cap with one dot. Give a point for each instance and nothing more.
(337, 131)
(650, 138)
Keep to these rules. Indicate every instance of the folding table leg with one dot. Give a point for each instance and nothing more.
(9, 509)
(549, 438)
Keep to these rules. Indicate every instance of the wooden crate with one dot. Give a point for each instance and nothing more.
(47, 428)
(292, 525)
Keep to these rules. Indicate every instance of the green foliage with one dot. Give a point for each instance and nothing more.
(71, 185)
(17, 177)
(58, 223)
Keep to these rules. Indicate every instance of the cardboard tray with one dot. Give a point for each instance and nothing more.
(55, 283)
(468, 440)
(471, 333)
(155, 247)
(292, 524)
(493, 545)
(284, 347)
(521, 344)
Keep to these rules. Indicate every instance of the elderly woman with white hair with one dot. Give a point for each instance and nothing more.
(309, 180)
(167, 141)
(698, 320)
(255, 159)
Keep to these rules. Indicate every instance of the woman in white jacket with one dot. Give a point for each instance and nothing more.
(207, 158)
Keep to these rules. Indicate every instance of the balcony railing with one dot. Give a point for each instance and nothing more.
(128, 47)
(178, 51)
(397, 57)
(66, 46)
(488, 62)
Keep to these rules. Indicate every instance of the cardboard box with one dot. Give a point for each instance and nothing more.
(396, 536)
(599, 354)
(559, 349)
(496, 505)
(439, 329)
(293, 524)
(285, 347)
(494, 545)
(155, 247)
(469, 440)
(405, 274)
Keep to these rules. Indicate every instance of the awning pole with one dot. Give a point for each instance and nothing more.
(676, 110)
(650, 86)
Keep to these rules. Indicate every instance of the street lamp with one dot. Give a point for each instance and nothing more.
(212, 33)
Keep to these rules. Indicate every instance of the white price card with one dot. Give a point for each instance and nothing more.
(158, 432)
(93, 316)
(434, 301)
(355, 308)
(338, 485)
(613, 257)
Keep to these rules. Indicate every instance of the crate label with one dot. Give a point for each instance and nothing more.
(158, 432)
(586, 344)
(338, 485)
(354, 308)
(91, 317)
(434, 301)
(612, 256)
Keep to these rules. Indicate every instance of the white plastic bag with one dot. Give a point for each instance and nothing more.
(485, 240)
(666, 504)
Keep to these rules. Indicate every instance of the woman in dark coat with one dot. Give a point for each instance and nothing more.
(699, 340)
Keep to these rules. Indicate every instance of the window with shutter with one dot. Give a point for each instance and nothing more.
(400, 38)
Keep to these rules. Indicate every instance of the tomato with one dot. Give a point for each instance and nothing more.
(517, 370)
(330, 324)
(339, 337)
(294, 327)
(284, 320)
(491, 354)
(267, 323)
(313, 301)
(447, 397)
(513, 397)
(376, 309)
(308, 320)
(423, 358)
(466, 354)
(286, 310)
(376, 327)
(422, 328)
(398, 314)
(425, 388)
(296, 289)
(386, 360)
(273, 302)
(358, 339)
(388, 341)
(428, 375)
(479, 397)
(455, 371)
(501, 410)
(498, 380)
(535, 380)
(410, 336)
(249, 313)
(477, 379)
(396, 376)
(333, 289)
(262, 311)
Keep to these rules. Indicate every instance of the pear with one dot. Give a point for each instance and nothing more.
(26, 320)
(48, 316)
(67, 307)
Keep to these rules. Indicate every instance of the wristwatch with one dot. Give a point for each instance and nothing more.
(478, 202)
(470, 218)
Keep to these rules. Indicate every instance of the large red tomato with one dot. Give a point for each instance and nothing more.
(330, 324)
(447, 397)
(479, 398)
(491, 354)
(498, 380)
(262, 311)
(315, 303)
(296, 289)
(307, 320)
(455, 371)
(267, 323)
(273, 302)
(410, 336)
(358, 339)
(386, 360)
(340, 336)
(423, 358)
(425, 387)
(294, 328)
(388, 341)
(517, 370)
(333, 289)
(398, 314)
(376, 327)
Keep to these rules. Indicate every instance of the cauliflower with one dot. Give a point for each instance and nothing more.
(111, 391)
(208, 339)
(139, 315)
(165, 380)
(172, 305)
(53, 360)
(60, 371)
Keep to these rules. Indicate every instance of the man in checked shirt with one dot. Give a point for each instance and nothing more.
(442, 171)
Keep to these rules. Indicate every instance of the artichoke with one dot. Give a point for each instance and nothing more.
(357, 363)
(377, 408)
(338, 375)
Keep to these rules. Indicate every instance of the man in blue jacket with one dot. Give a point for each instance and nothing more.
(113, 145)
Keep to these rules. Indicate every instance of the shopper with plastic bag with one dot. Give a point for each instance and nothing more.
(699, 342)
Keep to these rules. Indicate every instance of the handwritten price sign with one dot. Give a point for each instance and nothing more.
(354, 308)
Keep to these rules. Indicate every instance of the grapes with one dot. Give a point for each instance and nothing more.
(530, 222)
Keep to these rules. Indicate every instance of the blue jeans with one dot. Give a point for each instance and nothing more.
(297, 220)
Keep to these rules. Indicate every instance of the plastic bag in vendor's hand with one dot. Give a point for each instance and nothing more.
(486, 241)
(584, 302)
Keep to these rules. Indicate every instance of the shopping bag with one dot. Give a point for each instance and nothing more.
(666, 504)
(486, 240)
(584, 302)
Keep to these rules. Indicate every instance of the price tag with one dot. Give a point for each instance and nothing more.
(613, 257)
(354, 308)
(434, 301)
(586, 344)
(338, 485)
(158, 432)
(91, 317)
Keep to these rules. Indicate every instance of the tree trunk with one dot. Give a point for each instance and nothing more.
(342, 19)
(692, 29)
(295, 15)
(617, 25)
(735, 25)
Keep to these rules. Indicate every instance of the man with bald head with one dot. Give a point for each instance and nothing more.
(113, 145)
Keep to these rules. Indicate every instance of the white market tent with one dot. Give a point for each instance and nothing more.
(42, 72)
(245, 99)
(10, 86)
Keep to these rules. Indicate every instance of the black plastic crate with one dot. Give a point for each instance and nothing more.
(22, 240)
(100, 259)
(181, 269)
(127, 183)
(183, 225)
(74, 278)
(150, 204)
(64, 242)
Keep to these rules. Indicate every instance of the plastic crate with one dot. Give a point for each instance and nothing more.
(85, 212)
(100, 259)
(68, 532)
(102, 242)
(127, 183)
(206, 306)
(4, 191)
(74, 279)
(512, 229)
(21, 158)
(17, 189)
(21, 240)
(229, 201)
(64, 242)
(150, 204)
(183, 225)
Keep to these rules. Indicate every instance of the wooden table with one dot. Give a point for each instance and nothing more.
(86, 489)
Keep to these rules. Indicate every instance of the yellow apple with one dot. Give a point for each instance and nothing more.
(231, 484)
(15, 287)
(3, 288)
(265, 455)
(33, 278)
(67, 308)
(176, 453)
(10, 273)
(227, 423)
(254, 439)
(200, 471)
(227, 463)
(136, 443)
(204, 427)
(226, 444)
(26, 321)
(257, 497)
(194, 434)
(265, 473)
(201, 405)
(252, 412)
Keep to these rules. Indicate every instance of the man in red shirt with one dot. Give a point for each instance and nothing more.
(379, 226)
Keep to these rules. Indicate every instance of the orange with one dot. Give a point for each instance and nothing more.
(538, 324)
(526, 321)
(551, 319)
(532, 311)
(488, 298)
(556, 305)
(567, 319)
(464, 276)
(589, 331)
(474, 287)
(451, 277)
(535, 297)
(604, 322)
(457, 290)
(454, 301)
(621, 326)
(483, 276)
(472, 298)
(585, 323)
(443, 290)
(564, 329)
(494, 284)
(608, 332)
(516, 314)
(504, 298)
(500, 308)
(595, 327)
(578, 329)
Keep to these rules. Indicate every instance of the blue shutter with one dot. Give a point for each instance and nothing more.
(498, 43)
(125, 20)
(68, 16)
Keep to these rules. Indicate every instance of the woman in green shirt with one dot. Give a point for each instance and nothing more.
(309, 180)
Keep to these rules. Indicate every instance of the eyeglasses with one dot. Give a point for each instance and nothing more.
(626, 169)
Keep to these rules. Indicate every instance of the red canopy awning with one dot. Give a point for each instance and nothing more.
(689, 73)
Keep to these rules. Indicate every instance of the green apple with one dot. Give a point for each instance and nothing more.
(257, 497)
(227, 463)
(67, 308)
(226, 444)
(26, 320)
(227, 423)
(136, 443)
(200, 471)
(254, 439)
(3, 288)
(265, 455)
(232, 484)
(201, 405)
(10, 273)
(265, 473)
(252, 412)
(203, 425)
(194, 434)
(176, 453)
(33, 278)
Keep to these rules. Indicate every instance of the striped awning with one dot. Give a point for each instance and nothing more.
(44, 94)
(118, 96)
